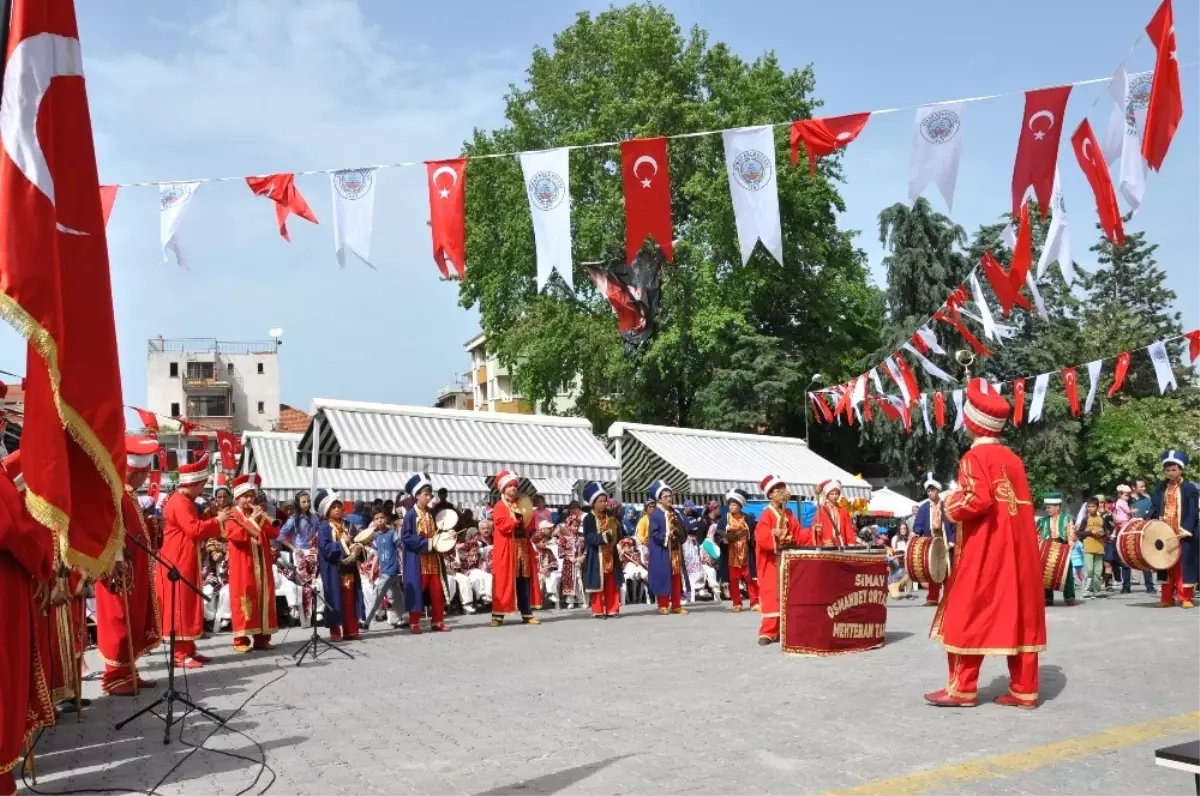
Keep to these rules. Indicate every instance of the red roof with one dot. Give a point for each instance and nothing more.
(292, 420)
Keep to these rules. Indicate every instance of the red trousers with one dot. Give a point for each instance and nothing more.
(607, 601)
(349, 626)
(935, 592)
(437, 601)
(1022, 675)
(676, 593)
(1174, 583)
(184, 649)
(8, 784)
(737, 576)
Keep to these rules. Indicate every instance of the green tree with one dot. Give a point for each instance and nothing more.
(1127, 439)
(630, 72)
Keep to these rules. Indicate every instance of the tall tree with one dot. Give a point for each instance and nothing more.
(630, 72)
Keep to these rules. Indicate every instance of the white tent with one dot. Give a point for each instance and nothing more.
(886, 503)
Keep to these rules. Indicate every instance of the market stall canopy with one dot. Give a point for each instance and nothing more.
(700, 463)
(367, 436)
(273, 456)
(886, 503)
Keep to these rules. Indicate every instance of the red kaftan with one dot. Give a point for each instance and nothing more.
(251, 577)
(831, 522)
(26, 555)
(182, 534)
(766, 554)
(112, 638)
(994, 603)
(504, 562)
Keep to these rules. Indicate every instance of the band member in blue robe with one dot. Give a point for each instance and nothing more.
(668, 576)
(929, 516)
(338, 558)
(1175, 502)
(602, 571)
(424, 568)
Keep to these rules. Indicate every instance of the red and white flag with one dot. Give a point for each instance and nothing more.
(1122, 367)
(1071, 386)
(448, 213)
(281, 189)
(228, 446)
(823, 137)
(154, 486)
(1165, 108)
(629, 317)
(1037, 147)
(54, 273)
(647, 182)
(1091, 161)
(149, 421)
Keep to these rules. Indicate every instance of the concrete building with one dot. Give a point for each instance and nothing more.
(455, 396)
(219, 386)
(492, 388)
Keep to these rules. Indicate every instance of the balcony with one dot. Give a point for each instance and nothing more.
(514, 406)
(205, 383)
(481, 375)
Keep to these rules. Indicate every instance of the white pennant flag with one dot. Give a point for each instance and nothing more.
(173, 201)
(878, 383)
(897, 377)
(1039, 397)
(1038, 301)
(547, 183)
(1124, 137)
(937, 146)
(930, 339)
(925, 413)
(750, 162)
(1162, 367)
(958, 407)
(1057, 247)
(930, 368)
(1093, 369)
(985, 312)
(353, 213)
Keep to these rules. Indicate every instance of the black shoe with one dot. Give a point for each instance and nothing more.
(1125, 591)
(1151, 591)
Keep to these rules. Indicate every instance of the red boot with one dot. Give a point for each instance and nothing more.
(941, 699)
(1010, 701)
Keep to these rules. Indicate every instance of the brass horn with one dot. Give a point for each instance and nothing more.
(966, 358)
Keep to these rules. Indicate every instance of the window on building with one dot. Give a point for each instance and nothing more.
(260, 370)
(174, 407)
(262, 407)
(174, 370)
(208, 406)
(229, 367)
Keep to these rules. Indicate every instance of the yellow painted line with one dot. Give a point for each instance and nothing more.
(951, 778)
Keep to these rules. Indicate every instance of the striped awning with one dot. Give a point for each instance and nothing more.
(273, 457)
(409, 438)
(700, 463)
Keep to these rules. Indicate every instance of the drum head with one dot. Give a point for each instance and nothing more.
(364, 536)
(1160, 546)
(444, 542)
(446, 520)
(937, 559)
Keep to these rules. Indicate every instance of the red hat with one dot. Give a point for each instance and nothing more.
(12, 468)
(246, 482)
(770, 483)
(986, 411)
(194, 473)
(828, 485)
(506, 478)
(140, 452)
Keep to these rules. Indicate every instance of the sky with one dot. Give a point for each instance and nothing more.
(182, 91)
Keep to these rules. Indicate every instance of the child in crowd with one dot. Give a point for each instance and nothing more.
(1076, 560)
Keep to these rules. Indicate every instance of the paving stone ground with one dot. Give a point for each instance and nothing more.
(644, 704)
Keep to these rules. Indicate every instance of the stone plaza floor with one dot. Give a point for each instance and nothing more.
(651, 704)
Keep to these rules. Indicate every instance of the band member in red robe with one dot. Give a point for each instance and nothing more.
(993, 602)
(251, 568)
(736, 532)
(184, 531)
(26, 561)
(832, 527)
(127, 621)
(514, 561)
(776, 527)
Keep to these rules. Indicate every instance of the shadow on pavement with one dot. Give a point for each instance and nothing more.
(1052, 681)
(553, 783)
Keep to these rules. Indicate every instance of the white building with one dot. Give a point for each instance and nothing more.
(491, 384)
(219, 386)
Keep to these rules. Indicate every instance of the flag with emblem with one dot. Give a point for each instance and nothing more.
(448, 213)
(1093, 369)
(1040, 386)
(1162, 367)
(1123, 139)
(647, 182)
(54, 278)
(750, 162)
(1057, 248)
(353, 213)
(937, 146)
(1037, 147)
(173, 201)
(1164, 109)
(1091, 162)
(548, 185)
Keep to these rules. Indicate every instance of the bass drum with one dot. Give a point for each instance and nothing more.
(1056, 564)
(1148, 545)
(926, 559)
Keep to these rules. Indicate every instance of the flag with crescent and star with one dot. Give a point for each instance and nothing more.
(1091, 161)
(647, 183)
(1037, 147)
(448, 213)
(823, 137)
(154, 486)
(281, 189)
(52, 226)
(149, 421)
(1165, 107)
(1070, 386)
(228, 445)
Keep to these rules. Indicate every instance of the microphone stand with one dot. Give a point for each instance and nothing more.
(171, 696)
(312, 648)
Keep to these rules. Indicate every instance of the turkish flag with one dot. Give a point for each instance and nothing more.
(1037, 148)
(1087, 152)
(281, 189)
(949, 314)
(1165, 107)
(108, 197)
(823, 137)
(910, 379)
(1018, 401)
(1119, 373)
(1071, 386)
(52, 228)
(888, 408)
(815, 400)
(1003, 283)
(149, 421)
(162, 459)
(228, 446)
(448, 213)
(629, 317)
(1193, 338)
(154, 485)
(186, 427)
(1022, 257)
(939, 409)
(647, 181)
